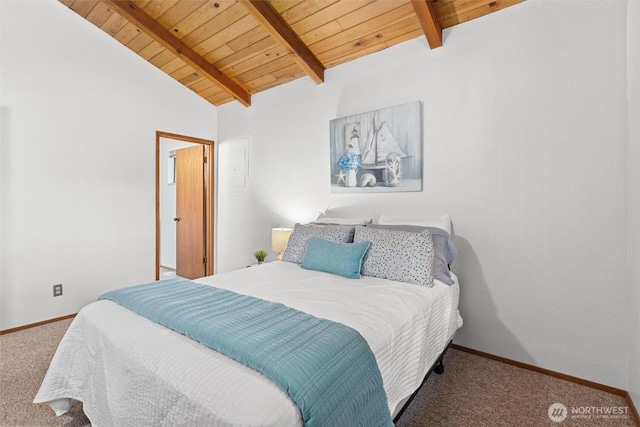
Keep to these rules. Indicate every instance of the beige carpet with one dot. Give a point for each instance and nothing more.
(24, 359)
(476, 391)
(473, 391)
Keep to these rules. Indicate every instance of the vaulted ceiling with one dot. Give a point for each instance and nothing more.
(227, 50)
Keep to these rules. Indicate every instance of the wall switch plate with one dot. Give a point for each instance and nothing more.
(57, 290)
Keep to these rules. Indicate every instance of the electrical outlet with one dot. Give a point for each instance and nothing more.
(57, 290)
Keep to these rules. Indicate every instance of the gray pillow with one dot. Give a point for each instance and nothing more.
(444, 251)
(299, 239)
(402, 256)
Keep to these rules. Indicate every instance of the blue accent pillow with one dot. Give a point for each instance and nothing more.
(344, 259)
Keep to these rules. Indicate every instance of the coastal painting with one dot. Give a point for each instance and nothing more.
(377, 151)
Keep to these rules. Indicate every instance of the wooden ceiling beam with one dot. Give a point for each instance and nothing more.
(286, 37)
(426, 12)
(137, 16)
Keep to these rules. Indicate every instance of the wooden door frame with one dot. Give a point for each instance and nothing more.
(208, 191)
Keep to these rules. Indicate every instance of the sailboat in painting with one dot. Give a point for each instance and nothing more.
(379, 145)
(381, 151)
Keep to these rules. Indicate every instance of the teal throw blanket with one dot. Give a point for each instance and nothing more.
(327, 368)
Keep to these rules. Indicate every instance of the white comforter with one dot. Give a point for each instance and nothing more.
(128, 370)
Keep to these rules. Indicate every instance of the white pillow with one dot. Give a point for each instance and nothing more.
(443, 223)
(344, 221)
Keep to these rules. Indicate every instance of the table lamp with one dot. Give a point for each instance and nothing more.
(279, 240)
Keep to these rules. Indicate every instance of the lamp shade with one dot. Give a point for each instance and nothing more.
(280, 238)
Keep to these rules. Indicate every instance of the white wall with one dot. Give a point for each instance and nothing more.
(633, 239)
(79, 115)
(236, 223)
(525, 137)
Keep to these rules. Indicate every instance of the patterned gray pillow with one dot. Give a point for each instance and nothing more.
(299, 239)
(398, 255)
(444, 251)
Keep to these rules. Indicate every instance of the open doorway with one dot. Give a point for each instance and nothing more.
(184, 205)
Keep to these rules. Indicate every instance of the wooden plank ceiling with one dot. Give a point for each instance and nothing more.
(227, 50)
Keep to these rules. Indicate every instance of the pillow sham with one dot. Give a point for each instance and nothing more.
(444, 222)
(343, 221)
(397, 255)
(344, 259)
(441, 257)
(299, 239)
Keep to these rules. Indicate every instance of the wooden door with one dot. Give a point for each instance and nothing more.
(190, 212)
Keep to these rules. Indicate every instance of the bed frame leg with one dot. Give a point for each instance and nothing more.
(439, 368)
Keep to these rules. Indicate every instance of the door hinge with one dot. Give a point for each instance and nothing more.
(205, 159)
(204, 260)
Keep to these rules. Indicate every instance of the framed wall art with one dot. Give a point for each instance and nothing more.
(377, 151)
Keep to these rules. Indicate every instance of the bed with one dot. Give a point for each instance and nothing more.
(128, 370)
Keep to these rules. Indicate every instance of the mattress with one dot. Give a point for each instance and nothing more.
(128, 370)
